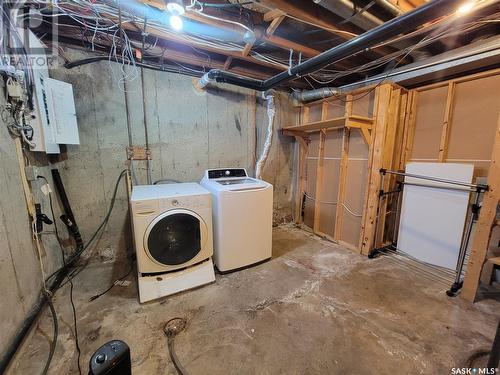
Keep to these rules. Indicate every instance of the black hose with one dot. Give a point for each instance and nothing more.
(56, 332)
(160, 68)
(28, 323)
(57, 277)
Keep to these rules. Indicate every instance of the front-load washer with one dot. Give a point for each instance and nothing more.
(172, 227)
(242, 218)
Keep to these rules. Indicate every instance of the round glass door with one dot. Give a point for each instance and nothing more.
(175, 237)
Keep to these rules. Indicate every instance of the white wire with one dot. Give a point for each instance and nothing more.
(225, 20)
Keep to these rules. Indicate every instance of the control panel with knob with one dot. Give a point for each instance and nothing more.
(113, 358)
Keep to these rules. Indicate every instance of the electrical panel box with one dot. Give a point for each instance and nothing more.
(43, 131)
(61, 111)
(54, 116)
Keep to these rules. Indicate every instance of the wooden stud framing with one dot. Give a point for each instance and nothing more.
(301, 181)
(487, 218)
(319, 172)
(274, 25)
(273, 14)
(468, 78)
(344, 159)
(448, 115)
(375, 162)
(409, 129)
(305, 114)
(228, 62)
(383, 138)
(387, 159)
(319, 181)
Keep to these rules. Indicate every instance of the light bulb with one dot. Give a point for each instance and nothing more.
(465, 8)
(176, 23)
(176, 7)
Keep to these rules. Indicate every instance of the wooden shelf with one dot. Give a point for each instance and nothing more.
(495, 261)
(331, 124)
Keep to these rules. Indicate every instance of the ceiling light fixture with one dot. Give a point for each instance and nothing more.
(176, 9)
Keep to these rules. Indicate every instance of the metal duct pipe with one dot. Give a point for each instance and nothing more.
(390, 7)
(402, 24)
(310, 95)
(346, 9)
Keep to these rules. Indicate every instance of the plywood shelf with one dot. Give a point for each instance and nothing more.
(330, 124)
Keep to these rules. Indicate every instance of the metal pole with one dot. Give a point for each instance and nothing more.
(457, 285)
(396, 221)
(436, 179)
(376, 251)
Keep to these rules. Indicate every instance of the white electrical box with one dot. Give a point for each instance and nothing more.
(61, 111)
(54, 116)
(45, 136)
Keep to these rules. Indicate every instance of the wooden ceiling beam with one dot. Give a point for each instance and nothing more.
(288, 45)
(316, 16)
(275, 23)
(187, 58)
(178, 39)
(273, 14)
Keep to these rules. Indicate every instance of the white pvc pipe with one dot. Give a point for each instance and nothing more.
(271, 111)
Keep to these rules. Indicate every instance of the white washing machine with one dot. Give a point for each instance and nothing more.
(173, 238)
(242, 217)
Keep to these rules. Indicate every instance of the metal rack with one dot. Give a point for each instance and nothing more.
(477, 189)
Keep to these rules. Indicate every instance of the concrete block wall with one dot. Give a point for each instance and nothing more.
(188, 133)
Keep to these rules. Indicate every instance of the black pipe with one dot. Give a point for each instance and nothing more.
(28, 323)
(402, 24)
(62, 194)
(119, 60)
(494, 359)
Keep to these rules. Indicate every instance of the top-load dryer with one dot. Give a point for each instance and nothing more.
(242, 218)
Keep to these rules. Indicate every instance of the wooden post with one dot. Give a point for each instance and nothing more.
(375, 162)
(305, 114)
(319, 181)
(409, 129)
(301, 180)
(344, 159)
(387, 159)
(487, 218)
(448, 115)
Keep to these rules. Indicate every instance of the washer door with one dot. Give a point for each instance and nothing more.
(175, 237)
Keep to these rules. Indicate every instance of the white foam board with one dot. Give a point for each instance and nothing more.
(432, 218)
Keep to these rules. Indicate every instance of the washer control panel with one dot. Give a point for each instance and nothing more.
(227, 173)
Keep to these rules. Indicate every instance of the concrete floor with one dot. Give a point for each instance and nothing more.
(315, 308)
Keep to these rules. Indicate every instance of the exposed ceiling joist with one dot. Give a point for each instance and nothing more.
(273, 14)
(275, 23)
(306, 13)
(178, 39)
